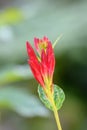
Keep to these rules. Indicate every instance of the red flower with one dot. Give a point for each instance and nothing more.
(42, 67)
(41, 44)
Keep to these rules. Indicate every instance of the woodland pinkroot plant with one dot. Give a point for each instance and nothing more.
(42, 66)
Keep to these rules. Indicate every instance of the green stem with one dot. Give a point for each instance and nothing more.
(57, 119)
(55, 111)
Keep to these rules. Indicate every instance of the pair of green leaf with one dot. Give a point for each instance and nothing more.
(58, 96)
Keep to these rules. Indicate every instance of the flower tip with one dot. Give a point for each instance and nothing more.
(36, 41)
(29, 48)
(27, 43)
(45, 38)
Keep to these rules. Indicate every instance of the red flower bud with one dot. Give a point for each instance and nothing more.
(42, 67)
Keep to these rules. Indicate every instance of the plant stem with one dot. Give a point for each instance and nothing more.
(57, 118)
(51, 99)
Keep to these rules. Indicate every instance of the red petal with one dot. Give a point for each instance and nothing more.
(30, 51)
(35, 67)
(51, 58)
(44, 68)
(36, 42)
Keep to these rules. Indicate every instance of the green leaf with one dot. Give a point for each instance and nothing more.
(44, 98)
(21, 102)
(58, 96)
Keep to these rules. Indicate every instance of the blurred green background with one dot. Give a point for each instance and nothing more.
(22, 20)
